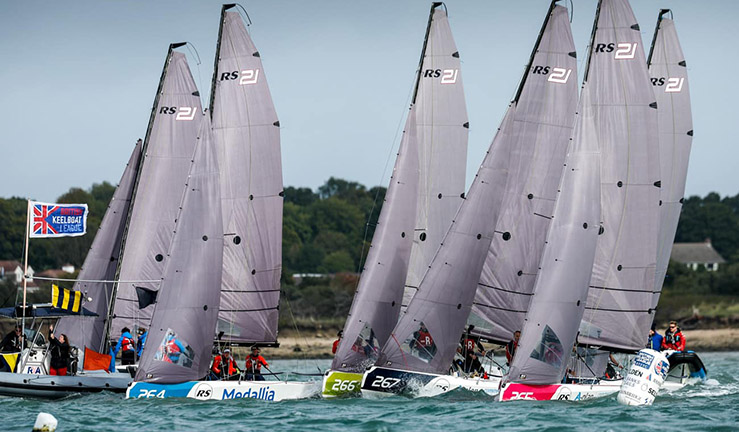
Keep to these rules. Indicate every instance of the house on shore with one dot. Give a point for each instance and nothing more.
(696, 255)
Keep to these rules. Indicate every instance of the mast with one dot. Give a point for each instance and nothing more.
(534, 50)
(662, 12)
(224, 8)
(144, 148)
(434, 5)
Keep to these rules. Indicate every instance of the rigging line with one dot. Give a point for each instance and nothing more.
(194, 52)
(295, 324)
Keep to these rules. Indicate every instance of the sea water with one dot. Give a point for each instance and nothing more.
(713, 405)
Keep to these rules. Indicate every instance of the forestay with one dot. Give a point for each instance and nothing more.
(669, 74)
(180, 339)
(561, 285)
(619, 307)
(442, 125)
(545, 109)
(247, 136)
(101, 264)
(167, 155)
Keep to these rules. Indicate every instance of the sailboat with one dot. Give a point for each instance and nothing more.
(138, 217)
(602, 242)
(417, 358)
(424, 191)
(245, 138)
(629, 296)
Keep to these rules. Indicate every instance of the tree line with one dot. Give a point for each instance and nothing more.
(328, 231)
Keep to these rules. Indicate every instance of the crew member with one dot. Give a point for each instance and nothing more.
(173, 349)
(140, 341)
(224, 366)
(674, 339)
(655, 339)
(423, 343)
(59, 349)
(469, 343)
(339, 335)
(13, 341)
(253, 366)
(126, 346)
(510, 348)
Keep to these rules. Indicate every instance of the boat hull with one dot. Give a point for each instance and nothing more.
(563, 392)
(380, 382)
(57, 387)
(341, 384)
(224, 390)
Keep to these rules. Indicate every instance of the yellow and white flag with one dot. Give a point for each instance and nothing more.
(63, 298)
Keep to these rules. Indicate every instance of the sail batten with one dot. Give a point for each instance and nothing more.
(167, 155)
(247, 136)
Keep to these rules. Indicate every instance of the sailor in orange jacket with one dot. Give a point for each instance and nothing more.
(224, 367)
(254, 363)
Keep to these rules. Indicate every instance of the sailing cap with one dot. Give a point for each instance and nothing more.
(226, 351)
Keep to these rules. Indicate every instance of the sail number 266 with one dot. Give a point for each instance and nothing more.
(344, 385)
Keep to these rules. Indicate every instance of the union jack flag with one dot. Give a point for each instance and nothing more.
(58, 220)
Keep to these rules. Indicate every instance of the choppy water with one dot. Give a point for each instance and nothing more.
(704, 406)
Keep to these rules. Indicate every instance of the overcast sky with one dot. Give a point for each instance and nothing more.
(78, 80)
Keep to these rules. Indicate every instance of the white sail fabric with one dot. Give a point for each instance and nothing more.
(180, 339)
(376, 304)
(443, 129)
(247, 135)
(619, 308)
(100, 264)
(166, 159)
(547, 105)
(669, 75)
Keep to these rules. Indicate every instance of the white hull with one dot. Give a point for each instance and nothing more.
(272, 391)
(383, 382)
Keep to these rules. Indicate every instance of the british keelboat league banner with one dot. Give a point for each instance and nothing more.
(58, 220)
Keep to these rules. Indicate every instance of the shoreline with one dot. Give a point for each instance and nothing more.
(316, 345)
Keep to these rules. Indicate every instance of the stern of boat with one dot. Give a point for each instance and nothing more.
(341, 384)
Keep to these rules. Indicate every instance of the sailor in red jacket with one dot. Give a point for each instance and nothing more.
(339, 335)
(674, 339)
(224, 367)
(254, 363)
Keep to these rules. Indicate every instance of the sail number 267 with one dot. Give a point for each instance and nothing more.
(384, 382)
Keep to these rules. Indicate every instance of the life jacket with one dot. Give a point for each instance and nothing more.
(424, 339)
(126, 343)
(221, 364)
(510, 350)
(254, 363)
(173, 351)
(675, 341)
(469, 345)
(336, 346)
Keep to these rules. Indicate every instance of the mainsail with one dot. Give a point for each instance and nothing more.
(548, 102)
(442, 131)
(166, 157)
(101, 264)
(669, 74)
(427, 334)
(619, 308)
(181, 336)
(247, 135)
(561, 286)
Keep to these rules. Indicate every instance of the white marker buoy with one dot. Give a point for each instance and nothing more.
(45, 422)
(645, 378)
